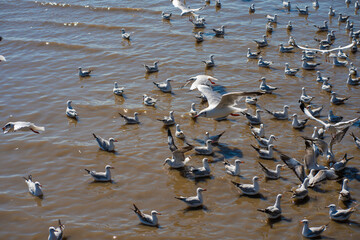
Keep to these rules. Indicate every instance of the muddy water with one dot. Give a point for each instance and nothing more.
(45, 43)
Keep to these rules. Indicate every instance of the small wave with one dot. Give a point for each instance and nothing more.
(93, 8)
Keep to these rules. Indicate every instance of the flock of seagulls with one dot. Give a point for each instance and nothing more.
(220, 106)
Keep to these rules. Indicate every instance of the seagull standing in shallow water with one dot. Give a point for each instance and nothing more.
(313, 231)
(35, 188)
(274, 211)
(195, 201)
(249, 189)
(164, 86)
(106, 145)
(150, 220)
(233, 170)
(56, 233)
(101, 176)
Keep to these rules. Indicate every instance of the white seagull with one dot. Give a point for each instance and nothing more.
(201, 172)
(301, 192)
(84, 73)
(265, 87)
(254, 119)
(252, 55)
(262, 63)
(340, 215)
(205, 150)
(106, 145)
(131, 120)
(164, 86)
(35, 188)
(149, 220)
(265, 154)
(192, 111)
(70, 111)
(179, 133)
(290, 71)
(149, 101)
(344, 194)
(178, 159)
(298, 124)
(168, 121)
(215, 138)
(56, 233)
(21, 126)
(101, 176)
(274, 211)
(260, 131)
(221, 106)
(313, 231)
(210, 63)
(249, 189)
(118, 90)
(152, 69)
(272, 174)
(200, 80)
(185, 10)
(233, 170)
(337, 100)
(304, 97)
(262, 43)
(195, 201)
(125, 35)
(280, 115)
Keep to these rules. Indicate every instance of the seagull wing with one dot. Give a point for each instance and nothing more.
(231, 98)
(179, 4)
(294, 165)
(347, 123)
(213, 97)
(325, 51)
(308, 113)
(20, 125)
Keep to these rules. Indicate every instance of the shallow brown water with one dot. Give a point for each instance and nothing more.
(45, 43)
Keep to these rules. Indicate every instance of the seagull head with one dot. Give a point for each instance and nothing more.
(167, 160)
(331, 206)
(113, 140)
(37, 184)
(109, 167)
(153, 212)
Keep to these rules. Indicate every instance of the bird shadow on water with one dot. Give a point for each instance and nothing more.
(271, 222)
(299, 202)
(190, 209)
(228, 152)
(259, 196)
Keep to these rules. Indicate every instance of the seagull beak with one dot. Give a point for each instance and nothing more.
(3, 129)
(275, 138)
(204, 189)
(115, 140)
(158, 213)
(112, 167)
(242, 162)
(196, 116)
(211, 81)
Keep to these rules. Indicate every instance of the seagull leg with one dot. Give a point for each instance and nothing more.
(34, 131)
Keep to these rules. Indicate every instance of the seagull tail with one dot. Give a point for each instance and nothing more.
(236, 184)
(94, 135)
(261, 210)
(268, 111)
(39, 128)
(121, 115)
(256, 148)
(88, 171)
(262, 166)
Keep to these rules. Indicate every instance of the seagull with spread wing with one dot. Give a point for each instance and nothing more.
(185, 10)
(221, 106)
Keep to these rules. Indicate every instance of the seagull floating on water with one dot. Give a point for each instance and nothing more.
(301, 192)
(233, 170)
(319, 78)
(352, 81)
(166, 16)
(254, 120)
(304, 97)
(178, 159)
(252, 8)
(313, 231)
(262, 63)
(342, 18)
(193, 111)
(340, 215)
(56, 233)
(344, 194)
(199, 36)
(298, 124)
(249, 189)
(201, 172)
(35, 188)
(118, 90)
(265, 153)
(219, 31)
(152, 69)
(272, 174)
(168, 121)
(101, 176)
(274, 211)
(280, 115)
(195, 201)
(303, 11)
(290, 71)
(261, 43)
(131, 120)
(84, 73)
(210, 63)
(265, 142)
(323, 28)
(125, 35)
(106, 145)
(179, 133)
(272, 19)
(265, 87)
(337, 100)
(289, 26)
(205, 150)
(21, 126)
(164, 86)
(149, 220)
(70, 111)
(333, 118)
(260, 131)
(252, 55)
(331, 11)
(149, 101)
(285, 49)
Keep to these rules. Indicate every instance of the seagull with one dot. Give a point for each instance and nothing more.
(260, 132)
(198, 23)
(272, 174)
(166, 16)
(274, 211)
(319, 78)
(356, 140)
(324, 28)
(306, 56)
(261, 43)
(131, 120)
(265, 154)
(233, 170)
(291, 41)
(266, 88)
(249, 189)
(284, 49)
(106, 145)
(221, 106)
(264, 142)
(210, 63)
(289, 26)
(164, 86)
(215, 138)
(298, 124)
(343, 18)
(309, 66)
(338, 63)
(205, 150)
(337, 100)
(331, 11)
(349, 25)
(21, 126)
(313, 231)
(322, 175)
(124, 34)
(101, 176)
(250, 100)
(199, 36)
(262, 63)
(178, 159)
(352, 69)
(316, 4)
(252, 55)
(304, 97)
(70, 112)
(150, 220)
(352, 81)
(303, 11)
(254, 120)
(203, 171)
(318, 133)
(340, 165)
(217, 3)
(56, 233)
(325, 50)
(84, 73)
(200, 80)
(332, 35)
(301, 192)
(290, 71)
(269, 28)
(149, 101)
(252, 8)
(326, 86)
(286, 4)
(2, 58)
(294, 165)
(195, 201)
(345, 193)
(357, 5)
(185, 10)
(152, 69)
(272, 19)
(35, 188)
(219, 31)
(280, 115)
(168, 121)
(118, 90)
(192, 111)
(333, 118)
(340, 215)
(179, 133)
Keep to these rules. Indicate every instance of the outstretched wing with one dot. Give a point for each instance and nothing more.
(325, 51)
(171, 143)
(308, 113)
(231, 98)
(294, 165)
(213, 97)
